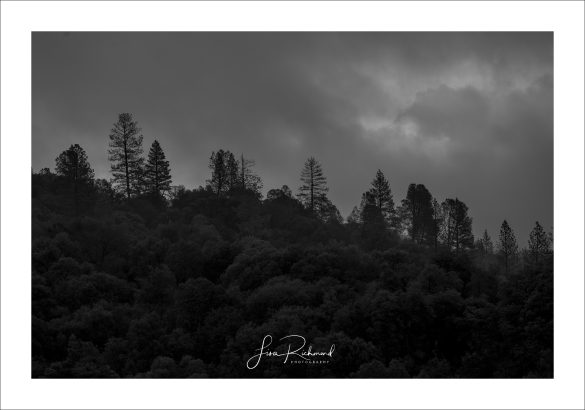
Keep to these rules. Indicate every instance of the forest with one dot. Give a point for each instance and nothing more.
(134, 277)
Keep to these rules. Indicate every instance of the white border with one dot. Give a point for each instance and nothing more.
(564, 18)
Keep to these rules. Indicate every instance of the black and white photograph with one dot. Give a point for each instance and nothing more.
(306, 205)
(292, 205)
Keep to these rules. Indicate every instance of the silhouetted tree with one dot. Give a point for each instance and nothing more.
(283, 192)
(373, 226)
(380, 196)
(355, 216)
(157, 173)
(457, 225)
(417, 213)
(247, 179)
(437, 222)
(72, 164)
(486, 246)
(538, 243)
(232, 170)
(312, 193)
(286, 191)
(104, 188)
(125, 153)
(485, 249)
(219, 181)
(508, 248)
(328, 212)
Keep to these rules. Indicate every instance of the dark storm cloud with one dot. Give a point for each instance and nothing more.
(493, 151)
(467, 114)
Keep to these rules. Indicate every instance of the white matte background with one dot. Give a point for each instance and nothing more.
(20, 18)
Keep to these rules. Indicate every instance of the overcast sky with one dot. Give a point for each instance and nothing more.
(466, 114)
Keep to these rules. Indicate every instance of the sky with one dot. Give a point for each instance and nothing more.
(469, 115)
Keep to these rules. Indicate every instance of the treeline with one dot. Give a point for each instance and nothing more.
(420, 217)
(135, 277)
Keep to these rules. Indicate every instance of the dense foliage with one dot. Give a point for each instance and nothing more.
(142, 289)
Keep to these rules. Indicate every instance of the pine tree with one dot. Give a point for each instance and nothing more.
(72, 164)
(313, 191)
(538, 243)
(232, 171)
(328, 212)
(126, 155)
(417, 213)
(355, 217)
(380, 196)
(484, 248)
(457, 232)
(247, 179)
(508, 246)
(486, 243)
(157, 173)
(372, 230)
(219, 181)
(437, 221)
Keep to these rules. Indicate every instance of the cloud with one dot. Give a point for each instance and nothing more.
(492, 149)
